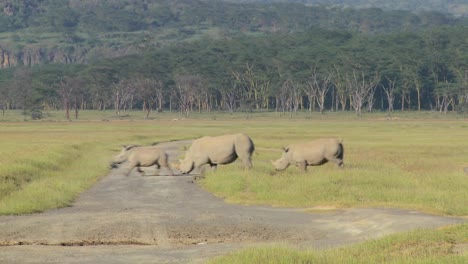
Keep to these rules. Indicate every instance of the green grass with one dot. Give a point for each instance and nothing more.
(415, 164)
(415, 161)
(447, 245)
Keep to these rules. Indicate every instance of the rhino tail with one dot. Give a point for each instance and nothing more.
(340, 151)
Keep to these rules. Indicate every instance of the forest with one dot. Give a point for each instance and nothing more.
(261, 57)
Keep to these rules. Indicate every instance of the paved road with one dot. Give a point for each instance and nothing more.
(170, 219)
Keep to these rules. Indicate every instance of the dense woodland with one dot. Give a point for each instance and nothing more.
(282, 57)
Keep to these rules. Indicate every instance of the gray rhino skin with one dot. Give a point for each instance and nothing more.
(313, 153)
(142, 156)
(223, 149)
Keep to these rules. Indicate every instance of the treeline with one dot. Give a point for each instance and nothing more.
(319, 70)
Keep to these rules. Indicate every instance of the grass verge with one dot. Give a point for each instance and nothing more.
(445, 245)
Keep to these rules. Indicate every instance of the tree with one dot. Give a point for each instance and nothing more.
(65, 91)
(360, 85)
(389, 90)
(341, 88)
(24, 94)
(186, 86)
(123, 92)
(256, 86)
(318, 86)
(150, 91)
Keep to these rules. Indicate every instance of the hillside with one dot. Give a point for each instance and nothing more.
(73, 31)
(455, 7)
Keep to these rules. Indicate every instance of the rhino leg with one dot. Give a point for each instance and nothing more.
(142, 172)
(339, 162)
(214, 167)
(302, 166)
(247, 163)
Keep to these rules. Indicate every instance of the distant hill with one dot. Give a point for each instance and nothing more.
(455, 7)
(36, 32)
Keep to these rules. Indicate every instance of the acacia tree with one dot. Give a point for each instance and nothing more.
(360, 85)
(462, 77)
(341, 88)
(256, 86)
(318, 86)
(229, 96)
(72, 92)
(284, 97)
(123, 92)
(78, 94)
(150, 91)
(186, 86)
(65, 90)
(389, 90)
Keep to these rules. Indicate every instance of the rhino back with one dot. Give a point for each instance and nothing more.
(314, 151)
(145, 156)
(221, 149)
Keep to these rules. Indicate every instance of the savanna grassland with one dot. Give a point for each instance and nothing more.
(413, 161)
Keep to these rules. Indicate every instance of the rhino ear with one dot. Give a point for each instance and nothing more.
(129, 147)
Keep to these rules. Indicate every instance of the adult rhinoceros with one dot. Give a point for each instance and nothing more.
(142, 156)
(218, 150)
(313, 153)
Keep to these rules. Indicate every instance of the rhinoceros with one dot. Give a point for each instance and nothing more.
(223, 149)
(142, 156)
(313, 153)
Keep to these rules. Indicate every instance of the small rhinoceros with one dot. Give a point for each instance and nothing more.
(313, 153)
(142, 156)
(218, 150)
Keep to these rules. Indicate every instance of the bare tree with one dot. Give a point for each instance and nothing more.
(390, 92)
(462, 76)
(359, 86)
(318, 86)
(370, 98)
(341, 89)
(256, 87)
(289, 97)
(405, 94)
(283, 98)
(65, 91)
(187, 85)
(150, 91)
(71, 90)
(445, 96)
(122, 94)
(229, 97)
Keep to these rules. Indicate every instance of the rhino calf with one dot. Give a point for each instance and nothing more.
(313, 153)
(223, 149)
(142, 156)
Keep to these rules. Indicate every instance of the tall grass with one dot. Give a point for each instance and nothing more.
(415, 164)
(412, 163)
